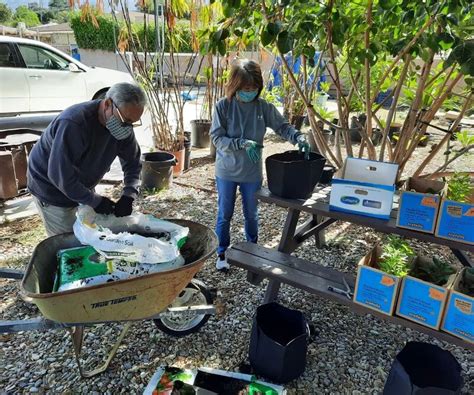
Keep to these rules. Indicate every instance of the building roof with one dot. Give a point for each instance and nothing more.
(54, 28)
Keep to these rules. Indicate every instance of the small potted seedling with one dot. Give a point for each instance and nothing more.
(419, 203)
(456, 214)
(458, 317)
(424, 291)
(322, 95)
(380, 272)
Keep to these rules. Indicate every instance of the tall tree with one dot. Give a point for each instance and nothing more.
(58, 5)
(23, 14)
(5, 13)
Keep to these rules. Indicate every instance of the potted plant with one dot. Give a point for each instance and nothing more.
(380, 272)
(327, 133)
(161, 70)
(423, 292)
(365, 59)
(458, 315)
(419, 203)
(322, 94)
(456, 214)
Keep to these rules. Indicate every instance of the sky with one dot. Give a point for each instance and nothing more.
(13, 4)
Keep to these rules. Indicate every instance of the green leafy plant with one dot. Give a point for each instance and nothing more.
(325, 86)
(395, 258)
(460, 188)
(434, 270)
(325, 113)
(465, 138)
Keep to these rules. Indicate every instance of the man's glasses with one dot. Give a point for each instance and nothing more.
(122, 119)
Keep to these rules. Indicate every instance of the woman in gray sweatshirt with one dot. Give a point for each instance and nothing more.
(238, 128)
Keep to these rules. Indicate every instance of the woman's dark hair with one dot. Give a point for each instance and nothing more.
(243, 73)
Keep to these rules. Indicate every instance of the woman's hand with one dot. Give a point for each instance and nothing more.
(303, 145)
(253, 149)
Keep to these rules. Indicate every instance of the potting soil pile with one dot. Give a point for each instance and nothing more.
(119, 248)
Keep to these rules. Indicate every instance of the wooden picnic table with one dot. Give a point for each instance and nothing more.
(280, 267)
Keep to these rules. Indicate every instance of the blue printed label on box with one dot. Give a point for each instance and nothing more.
(376, 289)
(456, 221)
(421, 302)
(459, 316)
(418, 211)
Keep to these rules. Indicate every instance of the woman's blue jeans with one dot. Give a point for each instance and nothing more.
(227, 191)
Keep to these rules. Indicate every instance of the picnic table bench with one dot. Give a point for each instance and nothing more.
(280, 267)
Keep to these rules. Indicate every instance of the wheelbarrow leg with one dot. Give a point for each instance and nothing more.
(77, 334)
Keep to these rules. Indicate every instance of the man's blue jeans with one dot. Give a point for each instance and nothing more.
(227, 191)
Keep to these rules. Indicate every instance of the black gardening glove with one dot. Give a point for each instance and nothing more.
(123, 207)
(106, 206)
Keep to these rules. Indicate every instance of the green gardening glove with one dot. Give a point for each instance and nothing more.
(253, 149)
(303, 145)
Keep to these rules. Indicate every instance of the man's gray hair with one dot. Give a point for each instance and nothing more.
(124, 93)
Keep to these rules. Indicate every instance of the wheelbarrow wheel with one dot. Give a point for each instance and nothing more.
(182, 324)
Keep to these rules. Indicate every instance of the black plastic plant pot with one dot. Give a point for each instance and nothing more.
(157, 170)
(200, 133)
(326, 175)
(424, 141)
(291, 176)
(278, 343)
(422, 368)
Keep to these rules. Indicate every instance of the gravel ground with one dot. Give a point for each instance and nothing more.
(351, 354)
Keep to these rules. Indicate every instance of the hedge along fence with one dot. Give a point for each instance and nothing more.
(89, 36)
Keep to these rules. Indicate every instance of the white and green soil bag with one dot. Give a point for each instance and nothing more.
(120, 238)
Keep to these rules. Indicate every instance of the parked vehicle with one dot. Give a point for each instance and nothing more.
(36, 77)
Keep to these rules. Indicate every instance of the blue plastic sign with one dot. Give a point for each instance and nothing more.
(456, 221)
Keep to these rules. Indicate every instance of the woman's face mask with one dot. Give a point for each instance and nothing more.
(247, 96)
(117, 127)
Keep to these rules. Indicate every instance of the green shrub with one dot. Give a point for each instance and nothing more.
(90, 37)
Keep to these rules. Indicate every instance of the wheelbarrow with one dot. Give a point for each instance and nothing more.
(178, 304)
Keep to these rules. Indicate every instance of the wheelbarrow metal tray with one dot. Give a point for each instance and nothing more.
(131, 299)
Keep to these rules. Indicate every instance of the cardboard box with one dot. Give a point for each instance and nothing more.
(419, 204)
(374, 288)
(364, 187)
(458, 317)
(456, 221)
(421, 301)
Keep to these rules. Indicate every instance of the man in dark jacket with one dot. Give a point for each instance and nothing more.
(77, 149)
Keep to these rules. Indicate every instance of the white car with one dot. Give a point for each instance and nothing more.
(36, 77)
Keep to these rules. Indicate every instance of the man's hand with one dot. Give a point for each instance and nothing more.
(123, 207)
(106, 206)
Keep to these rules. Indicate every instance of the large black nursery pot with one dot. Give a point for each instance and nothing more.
(278, 343)
(157, 170)
(423, 368)
(200, 133)
(291, 176)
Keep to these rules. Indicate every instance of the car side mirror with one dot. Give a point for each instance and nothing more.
(73, 68)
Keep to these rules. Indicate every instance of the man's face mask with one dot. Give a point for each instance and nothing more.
(247, 96)
(117, 126)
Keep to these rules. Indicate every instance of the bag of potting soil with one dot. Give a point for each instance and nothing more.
(83, 267)
(125, 238)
